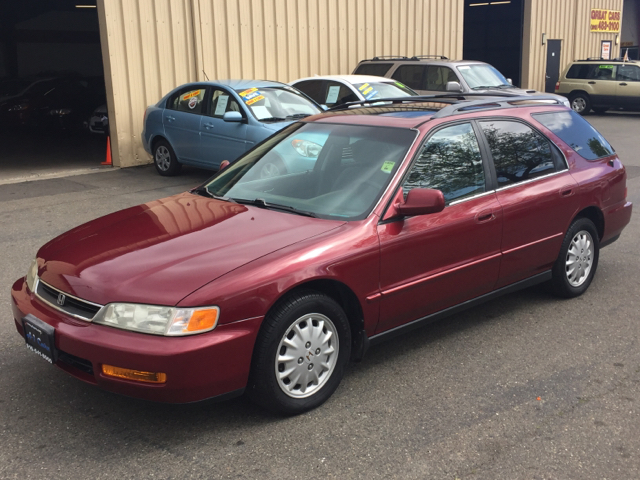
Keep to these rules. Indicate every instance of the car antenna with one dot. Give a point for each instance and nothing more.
(205, 74)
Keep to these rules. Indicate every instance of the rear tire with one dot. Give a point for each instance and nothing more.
(164, 158)
(578, 260)
(302, 349)
(580, 103)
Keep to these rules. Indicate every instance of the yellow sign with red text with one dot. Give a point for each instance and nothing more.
(605, 20)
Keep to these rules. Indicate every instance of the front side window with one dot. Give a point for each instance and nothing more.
(628, 73)
(334, 171)
(451, 162)
(437, 78)
(222, 102)
(337, 94)
(189, 101)
(519, 152)
(277, 104)
(576, 132)
(411, 76)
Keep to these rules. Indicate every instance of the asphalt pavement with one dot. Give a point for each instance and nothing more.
(524, 387)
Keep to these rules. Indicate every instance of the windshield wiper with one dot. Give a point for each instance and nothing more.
(484, 87)
(273, 119)
(297, 115)
(203, 192)
(259, 202)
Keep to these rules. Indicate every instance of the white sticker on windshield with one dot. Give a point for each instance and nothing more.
(332, 95)
(261, 112)
(464, 67)
(221, 106)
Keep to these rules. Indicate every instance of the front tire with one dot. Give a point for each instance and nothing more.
(578, 260)
(300, 355)
(164, 158)
(580, 103)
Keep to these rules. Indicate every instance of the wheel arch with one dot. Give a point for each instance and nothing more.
(156, 139)
(594, 214)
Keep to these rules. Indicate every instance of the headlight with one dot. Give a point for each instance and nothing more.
(19, 107)
(306, 148)
(158, 320)
(32, 275)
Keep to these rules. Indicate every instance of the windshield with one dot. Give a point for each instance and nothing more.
(482, 76)
(374, 90)
(277, 103)
(323, 170)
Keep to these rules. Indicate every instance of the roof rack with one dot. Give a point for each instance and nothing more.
(460, 103)
(414, 58)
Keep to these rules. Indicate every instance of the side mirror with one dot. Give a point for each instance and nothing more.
(224, 164)
(453, 87)
(422, 201)
(510, 81)
(232, 117)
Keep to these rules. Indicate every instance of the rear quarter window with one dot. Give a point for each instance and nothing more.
(376, 69)
(580, 71)
(576, 132)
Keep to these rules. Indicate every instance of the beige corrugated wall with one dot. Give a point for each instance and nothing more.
(152, 46)
(566, 20)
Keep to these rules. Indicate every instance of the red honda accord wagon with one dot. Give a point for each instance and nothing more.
(335, 233)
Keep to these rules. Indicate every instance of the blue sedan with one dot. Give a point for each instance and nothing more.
(204, 123)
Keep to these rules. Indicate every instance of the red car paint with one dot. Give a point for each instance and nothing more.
(189, 250)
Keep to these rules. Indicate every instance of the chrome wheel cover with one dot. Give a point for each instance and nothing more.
(578, 104)
(306, 355)
(269, 170)
(163, 158)
(579, 258)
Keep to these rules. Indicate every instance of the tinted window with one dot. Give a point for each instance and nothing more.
(337, 94)
(377, 69)
(602, 72)
(222, 102)
(576, 132)
(450, 162)
(313, 88)
(519, 152)
(437, 78)
(579, 70)
(629, 73)
(188, 101)
(410, 75)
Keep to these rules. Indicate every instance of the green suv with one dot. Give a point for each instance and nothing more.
(599, 85)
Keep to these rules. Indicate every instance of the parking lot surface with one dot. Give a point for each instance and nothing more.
(524, 387)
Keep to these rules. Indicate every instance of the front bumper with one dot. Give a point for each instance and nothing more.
(197, 367)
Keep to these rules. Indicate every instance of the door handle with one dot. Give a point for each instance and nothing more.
(209, 125)
(566, 191)
(592, 83)
(170, 118)
(485, 216)
(622, 84)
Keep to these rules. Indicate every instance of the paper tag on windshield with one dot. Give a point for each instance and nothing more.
(221, 106)
(387, 167)
(332, 95)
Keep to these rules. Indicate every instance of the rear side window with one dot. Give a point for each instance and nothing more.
(519, 152)
(576, 132)
(188, 101)
(312, 88)
(410, 75)
(377, 69)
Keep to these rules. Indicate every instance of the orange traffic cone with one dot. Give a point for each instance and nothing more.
(108, 160)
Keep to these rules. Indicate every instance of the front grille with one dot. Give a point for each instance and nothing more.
(76, 362)
(72, 305)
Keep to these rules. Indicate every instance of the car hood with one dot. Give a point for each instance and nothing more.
(161, 251)
(520, 91)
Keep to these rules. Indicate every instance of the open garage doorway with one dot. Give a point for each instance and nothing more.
(493, 34)
(51, 89)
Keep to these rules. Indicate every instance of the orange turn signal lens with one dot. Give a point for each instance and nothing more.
(137, 375)
(202, 320)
